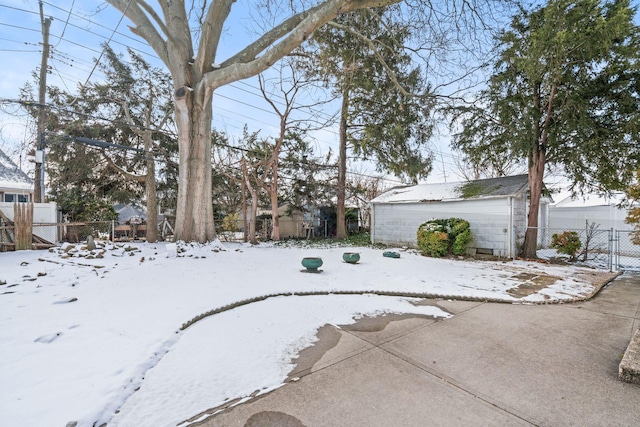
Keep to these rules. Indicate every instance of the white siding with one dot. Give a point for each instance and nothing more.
(397, 223)
(576, 217)
(520, 211)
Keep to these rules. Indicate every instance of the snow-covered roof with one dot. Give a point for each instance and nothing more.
(127, 212)
(12, 177)
(449, 191)
(565, 200)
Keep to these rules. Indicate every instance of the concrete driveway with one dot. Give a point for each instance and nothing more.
(489, 364)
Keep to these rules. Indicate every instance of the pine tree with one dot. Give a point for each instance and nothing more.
(565, 92)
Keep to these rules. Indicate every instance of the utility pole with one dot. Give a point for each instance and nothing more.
(38, 190)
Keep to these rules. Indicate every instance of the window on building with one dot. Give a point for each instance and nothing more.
(12, 198)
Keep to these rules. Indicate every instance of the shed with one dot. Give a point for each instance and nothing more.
(496, 209)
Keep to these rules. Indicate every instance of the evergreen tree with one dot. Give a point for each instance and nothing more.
(133, 108)
(385, 100)
(633, 216)
(565, 92)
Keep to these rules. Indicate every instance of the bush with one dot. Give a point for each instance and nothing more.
(229, 226)
(567, 242)
(230, 223)
(460, 235)
(438, 237)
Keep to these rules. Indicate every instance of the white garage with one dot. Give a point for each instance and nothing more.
(496, 209)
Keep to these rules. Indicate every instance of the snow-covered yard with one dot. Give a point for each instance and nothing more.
(97, 337)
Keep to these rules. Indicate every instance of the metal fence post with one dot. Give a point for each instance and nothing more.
(611, 255)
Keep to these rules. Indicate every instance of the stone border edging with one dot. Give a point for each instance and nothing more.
(629, 368)
(421, 295)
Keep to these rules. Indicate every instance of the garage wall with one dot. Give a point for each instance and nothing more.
(396, 224)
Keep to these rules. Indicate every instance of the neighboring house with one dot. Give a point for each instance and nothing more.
(127, 213)
(569, 212)
(15, 185)
(496, 209)
(131, 222)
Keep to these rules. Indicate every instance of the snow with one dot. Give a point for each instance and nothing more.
(99, 340)
(454, 191)
(565, 199)
(12, 177)
(429, 192)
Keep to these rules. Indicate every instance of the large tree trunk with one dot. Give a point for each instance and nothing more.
(537, 163)
(152, 199)
(150, 183)
(194, 213)
(536, 175)
(341, 231)
(275, 219)
(169, 34)
(245, 227)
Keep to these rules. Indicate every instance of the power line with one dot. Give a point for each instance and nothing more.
(108, 41)
(66, 22)
(102, 144)
(69, 13)
(241, 85)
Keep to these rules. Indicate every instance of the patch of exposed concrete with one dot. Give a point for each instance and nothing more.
(328, 338)
(273, 419)
(531, 283)
(380, 323)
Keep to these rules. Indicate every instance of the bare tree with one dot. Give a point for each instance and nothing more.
(253, 191)
(364, 188)
(290, 84)
(197, 73)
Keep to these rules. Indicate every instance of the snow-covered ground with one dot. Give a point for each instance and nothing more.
(96, 337)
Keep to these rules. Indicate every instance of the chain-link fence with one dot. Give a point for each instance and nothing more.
(289, 228)
(75, 232)
(592, 245)
(605, 249)
(626, 253)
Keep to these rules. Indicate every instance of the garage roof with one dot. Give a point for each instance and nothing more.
(450, 191)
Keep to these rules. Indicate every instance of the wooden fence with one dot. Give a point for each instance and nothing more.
(23, 221)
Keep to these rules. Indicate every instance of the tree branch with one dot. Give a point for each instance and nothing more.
(374, 49)
(144, 28)
(211, 32)
(247, 64)
(130, 176)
